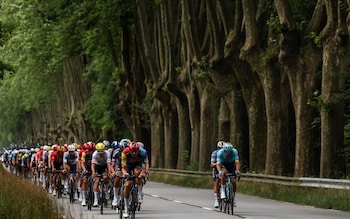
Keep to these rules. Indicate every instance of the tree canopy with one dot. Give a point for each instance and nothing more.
(269, 76)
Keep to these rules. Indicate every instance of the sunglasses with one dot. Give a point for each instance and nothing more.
(100, 151)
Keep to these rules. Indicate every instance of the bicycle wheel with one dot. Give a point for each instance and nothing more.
(102, 197)
(71, 191)
(59, 187)
(133, 202)
(121, 202)
(90, 195)
(221, 206)
(230, 198)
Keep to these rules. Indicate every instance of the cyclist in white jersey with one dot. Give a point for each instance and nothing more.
(100, 164)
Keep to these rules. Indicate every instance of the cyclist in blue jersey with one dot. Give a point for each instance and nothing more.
(215, 174)
(227, 161)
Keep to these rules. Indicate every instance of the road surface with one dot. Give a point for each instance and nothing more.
(174, 202)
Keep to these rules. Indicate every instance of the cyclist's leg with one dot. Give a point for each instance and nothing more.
(116, 188)
(224, 171)
(98, 170)
(105, 184)
(127, 189)
(75, 179)
(139, 182)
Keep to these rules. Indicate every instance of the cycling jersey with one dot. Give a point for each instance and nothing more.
(140, 159)
(231, 156)
(70, 159)
(101, 159)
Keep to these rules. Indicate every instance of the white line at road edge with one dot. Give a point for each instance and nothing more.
(181, 202)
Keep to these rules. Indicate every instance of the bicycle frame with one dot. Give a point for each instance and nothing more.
(227, 204)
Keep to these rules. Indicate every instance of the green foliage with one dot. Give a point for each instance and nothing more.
(319, 102)
(275, 23)
(188, 165)
(316, 39)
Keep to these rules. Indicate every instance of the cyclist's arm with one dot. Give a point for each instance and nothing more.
(123, 163)
(93, 169)
(82, 162)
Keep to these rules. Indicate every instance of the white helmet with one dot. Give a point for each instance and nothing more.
(71, 147)
(141, 145)
(220, 144)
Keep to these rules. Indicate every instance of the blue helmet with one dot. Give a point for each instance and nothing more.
(115, 144)
(106, 143)
(227, 146)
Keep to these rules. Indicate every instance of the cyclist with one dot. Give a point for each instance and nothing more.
(70, 165)
(215, 175)
(56, 159)
(32, 164)
(45, 162)
(25, 163)
(86, 158)
(228, 162)
(145, 166)
(116, 170)
(133, 160)
(101, 160)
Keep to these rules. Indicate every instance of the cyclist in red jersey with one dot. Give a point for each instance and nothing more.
(56, 159)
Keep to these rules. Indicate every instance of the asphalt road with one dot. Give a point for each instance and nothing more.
(173, 202)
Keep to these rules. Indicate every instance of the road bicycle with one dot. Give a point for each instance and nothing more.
(90, 193)
(71, 187)
(134, 205)
(102, 198)
(227, 204)
(120, 206)
(58, 183)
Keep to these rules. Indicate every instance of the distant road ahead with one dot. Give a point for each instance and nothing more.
(173, 202)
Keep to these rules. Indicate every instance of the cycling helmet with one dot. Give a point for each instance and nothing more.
(37, 149)
(25, 155)
(75, 145)
(90, 145)
(227, 146)
(115, 144)
(100, 146)
(106, 143)
(141, 145)
(124, 143)
(220, 144)
(71, 147)
(134, 147)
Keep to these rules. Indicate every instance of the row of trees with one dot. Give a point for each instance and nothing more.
(269, 76)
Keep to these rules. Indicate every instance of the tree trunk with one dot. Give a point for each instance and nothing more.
(207, 127)
(157, 130)
(332, 114)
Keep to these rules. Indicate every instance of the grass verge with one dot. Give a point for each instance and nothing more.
(318, 197)
(20, 198)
